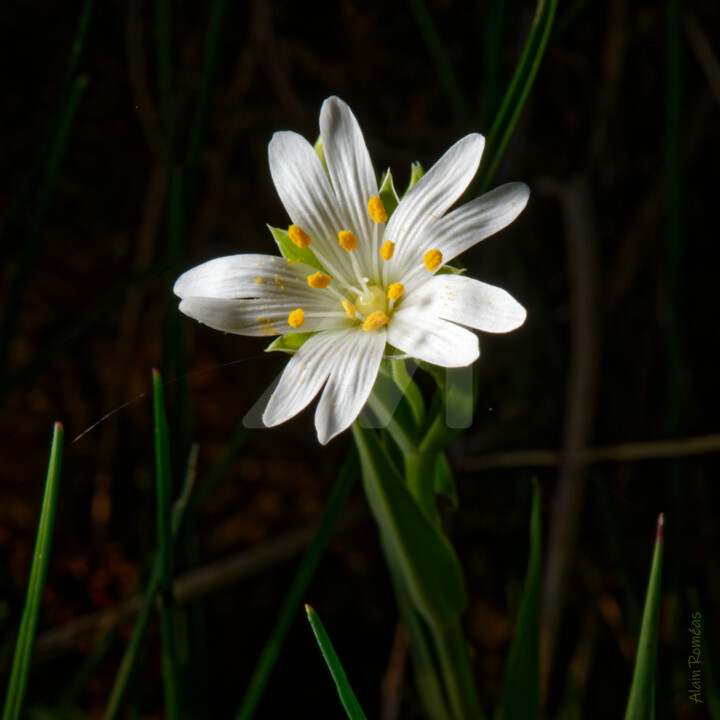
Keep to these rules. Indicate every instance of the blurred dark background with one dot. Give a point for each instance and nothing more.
(620, 145)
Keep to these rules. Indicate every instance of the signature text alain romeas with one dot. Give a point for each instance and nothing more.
(694, 659)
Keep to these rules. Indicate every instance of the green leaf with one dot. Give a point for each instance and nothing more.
(521, 692)
(28, 625)
(388, 195)
(430, 568)
(292, 252)
(444, 481)
(289, 343)
(320, 150)
(641, 703)
(416, 172)
(347, 696)
(171, 670)
(308, 566)
(517, 92)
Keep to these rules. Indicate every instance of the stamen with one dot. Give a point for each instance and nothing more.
(376, 210)
(375, 321)
(432, 260)
(299, 236)
(296, 318)
(349, 308)
(395, 291)
(319, 281)
(347, 240)
(387, 250)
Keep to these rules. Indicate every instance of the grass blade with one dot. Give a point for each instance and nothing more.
(171, 672)
(347, 696)
(521, 693)
(307, 568)
(641, 703)
(28, 625)
(517, 92)
(131, 656)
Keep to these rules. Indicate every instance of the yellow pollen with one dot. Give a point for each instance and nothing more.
(375, 321)
(432, 260)
(376, 210)
(387, 250)
(318, 281)
(349, 308)
(258, 279)
(299, 236)
(296, 318)
(395, 291)
(347, 240)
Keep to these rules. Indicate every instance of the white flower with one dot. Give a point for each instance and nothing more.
(379, 284)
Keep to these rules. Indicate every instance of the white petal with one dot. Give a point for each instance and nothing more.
(350, 383)
(467, 301)
(432, 339)
(429, 199)
(305, 192)
(478, 219)
(264, 317)
(336, 355)
(302, 378)
(351, 171)
(239, 276)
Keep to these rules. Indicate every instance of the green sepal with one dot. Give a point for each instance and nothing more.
(320, 150)
(444, 481)
(426, 560)
(416, 172)
(450, 270)
(289, 343)
(388, 194)
(292, 252)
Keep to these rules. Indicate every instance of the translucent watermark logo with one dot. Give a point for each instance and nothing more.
(458, 399)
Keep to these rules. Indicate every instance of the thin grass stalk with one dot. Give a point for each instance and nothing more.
(198, 126)
(308, 566)
(38, 572)
(641, 703)
(171, 670)
(443, 66)
(30, 251)
(517, 92)
(50, 139)
(131, 657)
(347, 696)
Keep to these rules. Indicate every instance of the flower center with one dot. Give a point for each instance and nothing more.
(373, 300)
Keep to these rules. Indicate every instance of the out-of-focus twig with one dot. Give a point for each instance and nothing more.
(623, 452)
(580, 408)
(203, 581)
(704, 54)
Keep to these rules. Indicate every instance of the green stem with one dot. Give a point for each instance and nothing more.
(420, 477)
(456, 670)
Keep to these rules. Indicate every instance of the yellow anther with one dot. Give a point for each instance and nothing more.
(318, 281)
(258, 279)
(299, 236)
(296, 318)
(387, 250)
(432, 260)
(349, 308)
(375, 321)
(376, 209)
(347, 240)
(395, 291)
